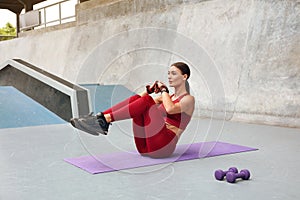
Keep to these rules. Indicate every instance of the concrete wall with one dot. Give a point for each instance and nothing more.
(244, 55)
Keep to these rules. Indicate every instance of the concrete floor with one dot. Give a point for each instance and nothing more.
(32, 166)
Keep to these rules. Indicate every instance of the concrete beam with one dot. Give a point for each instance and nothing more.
(65, 99)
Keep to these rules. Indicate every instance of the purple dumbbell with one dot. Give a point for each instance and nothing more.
(220, 174)
(231, 177)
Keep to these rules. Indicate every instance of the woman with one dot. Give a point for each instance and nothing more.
(157, 122)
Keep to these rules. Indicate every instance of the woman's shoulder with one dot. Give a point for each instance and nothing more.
(188, 104)
(189, 98)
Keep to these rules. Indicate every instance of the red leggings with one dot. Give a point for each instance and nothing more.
(151, 136)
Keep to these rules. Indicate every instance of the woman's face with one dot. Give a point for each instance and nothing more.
(175, 77)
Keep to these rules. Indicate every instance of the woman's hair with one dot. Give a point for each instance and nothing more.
(184, 68)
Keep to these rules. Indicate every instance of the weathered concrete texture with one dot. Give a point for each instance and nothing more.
(255, 46)
(270, 78)
(248, 51)
(96, 10)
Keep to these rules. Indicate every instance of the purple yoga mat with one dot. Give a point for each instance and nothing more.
(128, 160)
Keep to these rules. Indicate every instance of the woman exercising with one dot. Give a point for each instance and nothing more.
(157, 122)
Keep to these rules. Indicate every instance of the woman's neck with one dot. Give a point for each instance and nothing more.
(179, 91)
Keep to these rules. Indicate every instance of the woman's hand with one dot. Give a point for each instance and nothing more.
(162, 87)
(154, 88)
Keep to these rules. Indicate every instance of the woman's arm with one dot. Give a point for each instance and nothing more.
(158, 100)
(186, 104)
(170, 107)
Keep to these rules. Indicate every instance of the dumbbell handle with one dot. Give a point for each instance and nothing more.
(244, 174)
(240, 175)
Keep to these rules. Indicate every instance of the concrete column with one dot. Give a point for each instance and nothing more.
(18, 23)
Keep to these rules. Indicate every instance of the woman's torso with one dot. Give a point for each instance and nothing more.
(176, 122)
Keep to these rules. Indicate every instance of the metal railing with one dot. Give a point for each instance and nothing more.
(57, 13)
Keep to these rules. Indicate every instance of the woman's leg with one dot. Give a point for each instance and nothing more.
(151, 136)
(161, 142)
(137, 107)
(121, 104)
(145, 115)
(96, 125)
(139, 134)
(159, 145)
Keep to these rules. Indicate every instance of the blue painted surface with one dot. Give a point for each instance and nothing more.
(105, 96)
(19, 110)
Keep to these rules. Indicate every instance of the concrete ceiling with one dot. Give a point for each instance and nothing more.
(16, 6)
